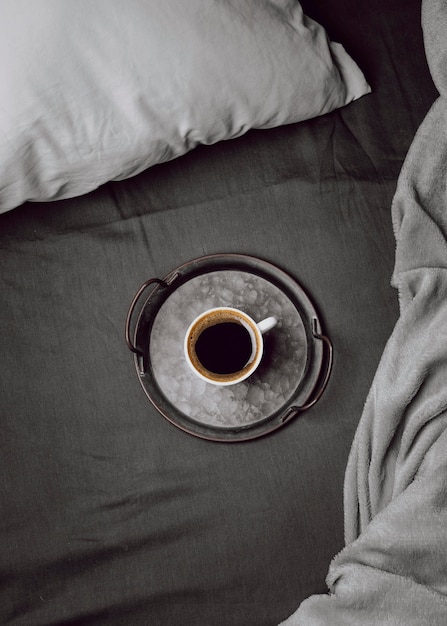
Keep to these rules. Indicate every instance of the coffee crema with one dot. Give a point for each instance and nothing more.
(222, 346)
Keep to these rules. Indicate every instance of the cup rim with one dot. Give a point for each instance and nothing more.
(259, 340)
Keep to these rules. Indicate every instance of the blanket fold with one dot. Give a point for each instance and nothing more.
(393, 569)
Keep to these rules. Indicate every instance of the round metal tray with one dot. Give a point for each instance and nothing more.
(297, 359)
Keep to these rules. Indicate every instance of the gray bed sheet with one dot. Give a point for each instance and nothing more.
(109, 514)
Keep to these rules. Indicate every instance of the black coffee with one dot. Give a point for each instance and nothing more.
(224, 348)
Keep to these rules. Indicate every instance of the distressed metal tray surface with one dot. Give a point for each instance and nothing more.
(297, 359)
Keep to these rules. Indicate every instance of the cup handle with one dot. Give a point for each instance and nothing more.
(267, 324)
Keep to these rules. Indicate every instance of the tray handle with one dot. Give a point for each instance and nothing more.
(130, 312)
(292, 410)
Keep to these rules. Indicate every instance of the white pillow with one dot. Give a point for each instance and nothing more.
(98, 90)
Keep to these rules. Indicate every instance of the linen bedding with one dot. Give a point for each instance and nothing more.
(394, 567)
(109, 515)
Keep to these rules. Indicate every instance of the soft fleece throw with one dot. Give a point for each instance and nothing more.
(393, 570)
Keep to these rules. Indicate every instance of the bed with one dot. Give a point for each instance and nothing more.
(302, 143)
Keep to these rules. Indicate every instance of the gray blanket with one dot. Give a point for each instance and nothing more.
(393, 570)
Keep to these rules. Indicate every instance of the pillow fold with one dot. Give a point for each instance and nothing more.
(99, 91)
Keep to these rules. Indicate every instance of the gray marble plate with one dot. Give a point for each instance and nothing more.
(291, 363)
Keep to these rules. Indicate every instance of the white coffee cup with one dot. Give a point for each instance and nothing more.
(224, 345)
